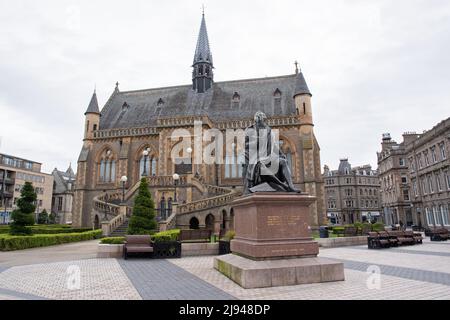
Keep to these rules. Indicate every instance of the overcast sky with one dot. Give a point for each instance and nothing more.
(372, 66)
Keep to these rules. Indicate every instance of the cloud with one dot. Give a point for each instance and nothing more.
(373, 67)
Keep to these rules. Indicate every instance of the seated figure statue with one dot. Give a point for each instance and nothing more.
(265, 168)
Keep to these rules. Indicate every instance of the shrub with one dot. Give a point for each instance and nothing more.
(143, 219)
(229, 235)
(169, 235)
(43, 217)
(113, 240)
(48, 229)
(378, 226)
(11, 242)
(23, 216)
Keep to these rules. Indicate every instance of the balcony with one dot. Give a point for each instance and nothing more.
(7, 181)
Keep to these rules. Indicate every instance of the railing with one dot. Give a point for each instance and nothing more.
(103, 206)
(113, 133)
(110, 226)
(170, 223)
(208, 203)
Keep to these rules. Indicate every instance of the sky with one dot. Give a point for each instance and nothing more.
(372, 66)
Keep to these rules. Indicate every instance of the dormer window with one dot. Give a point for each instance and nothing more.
(277, 93)
(160, 102)
(236, 97)
(125, 106)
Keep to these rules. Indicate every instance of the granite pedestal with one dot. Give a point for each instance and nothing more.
(273, 244)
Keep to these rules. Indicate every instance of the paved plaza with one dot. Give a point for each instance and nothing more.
(73, 272)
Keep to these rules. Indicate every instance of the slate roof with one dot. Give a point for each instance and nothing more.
(93, 105)
(203, 51)
(143, 107)
(61, 180)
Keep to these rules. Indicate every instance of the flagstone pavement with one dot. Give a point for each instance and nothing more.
(73, 273)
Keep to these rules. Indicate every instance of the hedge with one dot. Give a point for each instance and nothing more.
(113, 240)
(10, 243)
(48, 229)
(169, 235)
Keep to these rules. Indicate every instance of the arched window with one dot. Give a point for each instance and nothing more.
(194, 223)
(150, 163)
(233, 163)
(107, 167)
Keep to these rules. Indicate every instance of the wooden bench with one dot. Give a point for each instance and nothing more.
(439, 234)
(417, 237)
(137, 244)
(402, 238)
(197, 235)
(378, 240)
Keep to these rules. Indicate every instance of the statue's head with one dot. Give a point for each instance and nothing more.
(260, 118)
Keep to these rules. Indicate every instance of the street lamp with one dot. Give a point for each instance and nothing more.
(145, 153)
(189, 151)
(176, 178)
(124, 180)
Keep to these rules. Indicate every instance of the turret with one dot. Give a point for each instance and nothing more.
(302, 98)
(92, 118)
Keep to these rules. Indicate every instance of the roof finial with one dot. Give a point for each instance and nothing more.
(95, 88)
(203, 9)
(296, 67)
(117, 86)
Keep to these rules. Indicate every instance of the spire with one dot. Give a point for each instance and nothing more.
(93, 105)
(202, 75)
(203, 51)
(300, 85)
(70, 172)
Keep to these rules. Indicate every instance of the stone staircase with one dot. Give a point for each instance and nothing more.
(121, 231)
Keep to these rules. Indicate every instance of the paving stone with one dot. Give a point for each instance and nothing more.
(162, 280)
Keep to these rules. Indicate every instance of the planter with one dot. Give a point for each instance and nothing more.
(110, 251)
(167, 249)
(224, 247)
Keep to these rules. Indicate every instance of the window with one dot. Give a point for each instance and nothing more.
(233, 163)
(442, 150)
(401, 162)
(443, 211)
(437, 216)
(424, 187)
(404, 179)
(438, 182)
(427, 161)
(430, 184)
(60, 203)
(419, 160)
(448, 180)
(430, 218)
(433, 154)
(416, 193)
(107, 168)
(406, 195)
(95, 127)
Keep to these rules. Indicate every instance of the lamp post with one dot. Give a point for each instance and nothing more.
(189, 151)
(124, 180)
(145, 153)
(176, 178)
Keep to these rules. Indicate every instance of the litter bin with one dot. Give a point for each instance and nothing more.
(323, 232)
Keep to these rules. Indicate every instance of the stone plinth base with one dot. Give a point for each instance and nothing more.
(273, 225)
(284, 272)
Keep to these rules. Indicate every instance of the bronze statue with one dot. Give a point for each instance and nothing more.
(265, 168)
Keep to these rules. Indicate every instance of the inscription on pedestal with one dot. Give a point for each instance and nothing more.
(283, 220)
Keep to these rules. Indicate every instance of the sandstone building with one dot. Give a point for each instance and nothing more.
(352, 194)
(132, 122)
(14, 172)
(63, 187)
(416, 177)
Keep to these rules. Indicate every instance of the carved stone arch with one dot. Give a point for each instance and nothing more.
(102, 153)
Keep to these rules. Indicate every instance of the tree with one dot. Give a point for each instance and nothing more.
(52, 218)
(43, 217)
(24, 215)
(143, 219)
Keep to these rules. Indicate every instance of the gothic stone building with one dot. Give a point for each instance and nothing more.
(415, 177)
(352, 194)
(134, 121)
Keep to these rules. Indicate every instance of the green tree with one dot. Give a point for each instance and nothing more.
(24, 215)
(143, 219)
(52, 218)
(43, 217)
